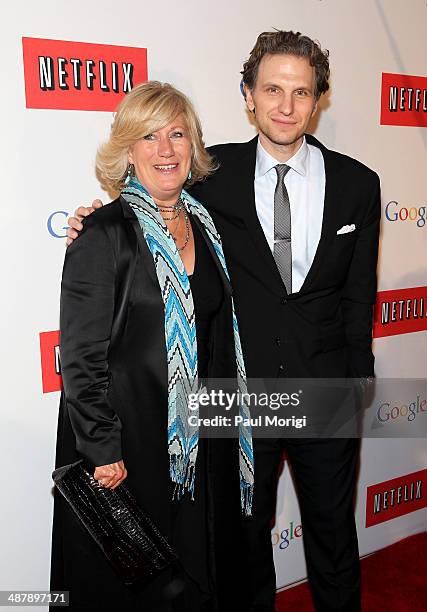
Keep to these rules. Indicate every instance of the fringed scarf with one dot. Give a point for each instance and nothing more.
(181, 343)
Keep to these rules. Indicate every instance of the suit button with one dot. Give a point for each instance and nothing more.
(278, 342)
(284, 300)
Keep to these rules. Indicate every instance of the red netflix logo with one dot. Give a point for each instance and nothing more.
(397, 497)
(51, 367)
(403, 100)
(400, 311)
(80, 76)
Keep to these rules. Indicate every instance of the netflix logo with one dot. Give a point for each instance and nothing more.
(51, 367)
(403, 100)
(80, 76)
(397, 497)
(400, 311)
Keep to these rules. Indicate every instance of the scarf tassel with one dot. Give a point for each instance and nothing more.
(246, 497)
(183, 474)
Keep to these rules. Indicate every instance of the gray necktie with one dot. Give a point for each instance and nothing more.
(282, 228)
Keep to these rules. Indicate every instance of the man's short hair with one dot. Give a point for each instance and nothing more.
(290, 43)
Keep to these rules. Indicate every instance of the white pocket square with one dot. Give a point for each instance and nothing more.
(346, 229)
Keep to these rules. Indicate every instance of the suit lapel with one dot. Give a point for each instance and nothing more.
(333, 195)
(243, 194)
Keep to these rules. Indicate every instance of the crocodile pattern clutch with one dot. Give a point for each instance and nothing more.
(126, 535)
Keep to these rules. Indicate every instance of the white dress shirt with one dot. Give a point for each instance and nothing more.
(305, 182)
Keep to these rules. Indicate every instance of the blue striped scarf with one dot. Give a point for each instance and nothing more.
(181, 343)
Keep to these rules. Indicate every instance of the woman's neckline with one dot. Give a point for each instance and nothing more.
(190, 276)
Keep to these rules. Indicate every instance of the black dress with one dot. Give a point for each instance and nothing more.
(201, 530)
(193, 516)
(217, 459)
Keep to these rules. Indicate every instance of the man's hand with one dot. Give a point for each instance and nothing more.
(75, 222)
(112, 475)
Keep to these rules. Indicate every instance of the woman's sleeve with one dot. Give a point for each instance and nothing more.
(87, 309)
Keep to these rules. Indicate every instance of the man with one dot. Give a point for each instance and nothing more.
(299, 225)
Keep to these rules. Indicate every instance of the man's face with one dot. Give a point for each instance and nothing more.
(284, 101)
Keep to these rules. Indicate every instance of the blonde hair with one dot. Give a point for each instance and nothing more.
(147, 108)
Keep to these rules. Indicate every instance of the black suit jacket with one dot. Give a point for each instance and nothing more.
(325, 329)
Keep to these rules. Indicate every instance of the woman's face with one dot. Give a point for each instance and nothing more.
(162, 161)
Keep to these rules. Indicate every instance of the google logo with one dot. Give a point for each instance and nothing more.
(282, 539)
(388, 412)
(54, 224)
(395, 212)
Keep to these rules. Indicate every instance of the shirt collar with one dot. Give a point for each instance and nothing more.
(298, 162)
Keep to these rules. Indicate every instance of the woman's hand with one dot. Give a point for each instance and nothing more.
(75, 222)
(112, 475)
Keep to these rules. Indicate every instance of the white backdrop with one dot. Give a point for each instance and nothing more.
(47, 159)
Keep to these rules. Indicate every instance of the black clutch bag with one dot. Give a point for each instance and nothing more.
(126, 535)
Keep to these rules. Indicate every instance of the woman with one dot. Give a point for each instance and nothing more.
(146, 313)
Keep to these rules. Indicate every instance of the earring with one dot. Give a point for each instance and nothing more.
(189, 176)
(130, 173)
(242, 88)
